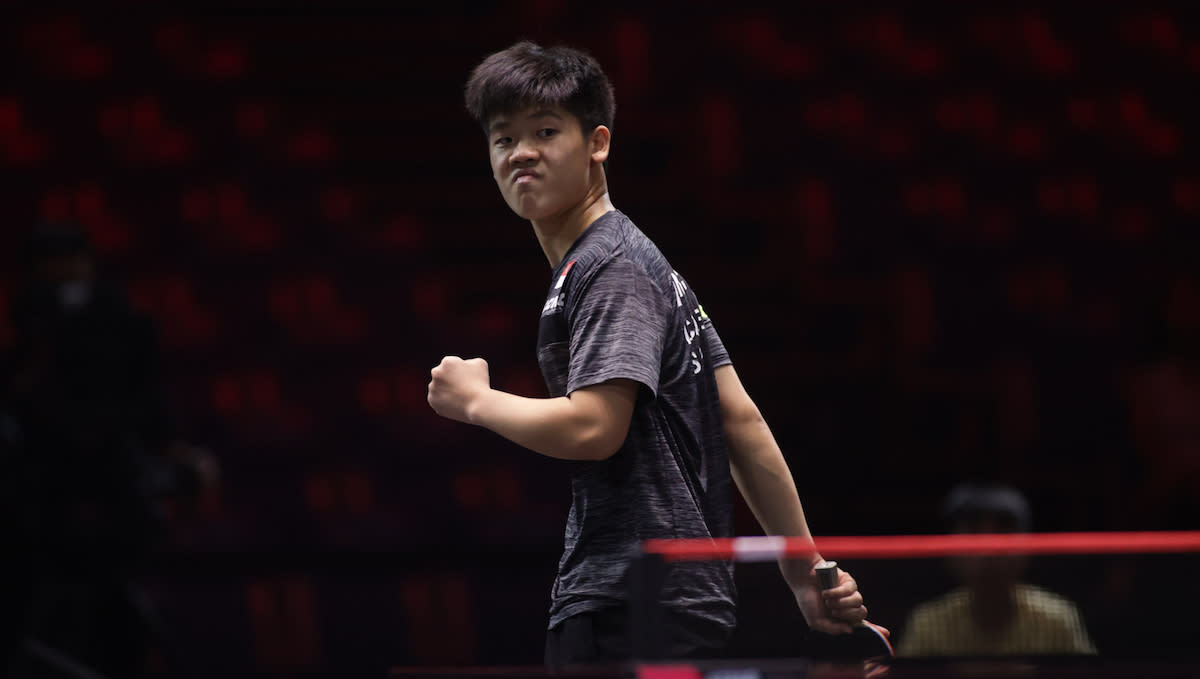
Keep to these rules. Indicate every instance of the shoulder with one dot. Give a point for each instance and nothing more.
(619, 253)
(925, 629)
(1055, 620)
(1046, 604)
(950, 604)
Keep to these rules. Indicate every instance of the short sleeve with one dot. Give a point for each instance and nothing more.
(617, 319)
(717, 354)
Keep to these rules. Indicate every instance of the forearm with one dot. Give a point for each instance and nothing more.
(764, 480)
(555, 427)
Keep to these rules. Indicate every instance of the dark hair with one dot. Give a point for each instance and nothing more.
(528, 74)
(970, 502)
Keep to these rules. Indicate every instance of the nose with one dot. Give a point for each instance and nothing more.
(523, 153)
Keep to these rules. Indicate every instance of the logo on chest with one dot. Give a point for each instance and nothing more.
(555, 301)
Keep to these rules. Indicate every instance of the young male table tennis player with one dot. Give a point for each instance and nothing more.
(644, 398)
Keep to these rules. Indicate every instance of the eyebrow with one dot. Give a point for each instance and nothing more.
(543, 113)
(502, 123)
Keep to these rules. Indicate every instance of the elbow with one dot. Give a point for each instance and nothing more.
(742, 426)
(599, 420)
(598, 453)
(598, 450)
(599, 443)
(737, 421)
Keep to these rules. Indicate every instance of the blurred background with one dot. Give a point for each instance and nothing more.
(942, 243)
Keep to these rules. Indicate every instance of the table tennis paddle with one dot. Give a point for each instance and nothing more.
(865, 642)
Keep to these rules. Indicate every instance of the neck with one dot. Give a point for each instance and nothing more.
(557, 233)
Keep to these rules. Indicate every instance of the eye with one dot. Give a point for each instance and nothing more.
(547, 132)
(502, 141)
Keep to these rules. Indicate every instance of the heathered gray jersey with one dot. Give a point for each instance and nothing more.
(616, 309)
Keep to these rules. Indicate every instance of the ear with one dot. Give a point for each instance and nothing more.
(598, 144)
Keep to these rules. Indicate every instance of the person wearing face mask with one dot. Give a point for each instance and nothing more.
(85, 445)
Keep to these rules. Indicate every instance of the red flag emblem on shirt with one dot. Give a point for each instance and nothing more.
(563, 277)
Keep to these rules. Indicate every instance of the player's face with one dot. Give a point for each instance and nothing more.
(543, 162)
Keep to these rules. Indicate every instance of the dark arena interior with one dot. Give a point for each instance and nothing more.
(943, 243)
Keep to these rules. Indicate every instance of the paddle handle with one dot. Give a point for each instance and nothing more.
(827, 574)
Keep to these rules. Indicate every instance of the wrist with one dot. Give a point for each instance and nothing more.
(798, 572)
(477, 406)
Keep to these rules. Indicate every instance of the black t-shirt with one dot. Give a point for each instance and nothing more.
(616, 309)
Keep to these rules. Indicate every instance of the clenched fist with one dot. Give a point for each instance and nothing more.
(456, 385)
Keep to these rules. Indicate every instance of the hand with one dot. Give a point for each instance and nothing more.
(457, 385)
(835, 610)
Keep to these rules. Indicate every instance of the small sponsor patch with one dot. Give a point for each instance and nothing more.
(563, 278)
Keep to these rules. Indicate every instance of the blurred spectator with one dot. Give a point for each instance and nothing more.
(88, 457)
(993, 613)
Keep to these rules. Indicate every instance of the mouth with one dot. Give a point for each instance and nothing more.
(524, 176)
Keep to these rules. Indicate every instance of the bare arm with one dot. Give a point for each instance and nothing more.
(762, 475)
(759, 469)
(589, 424)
